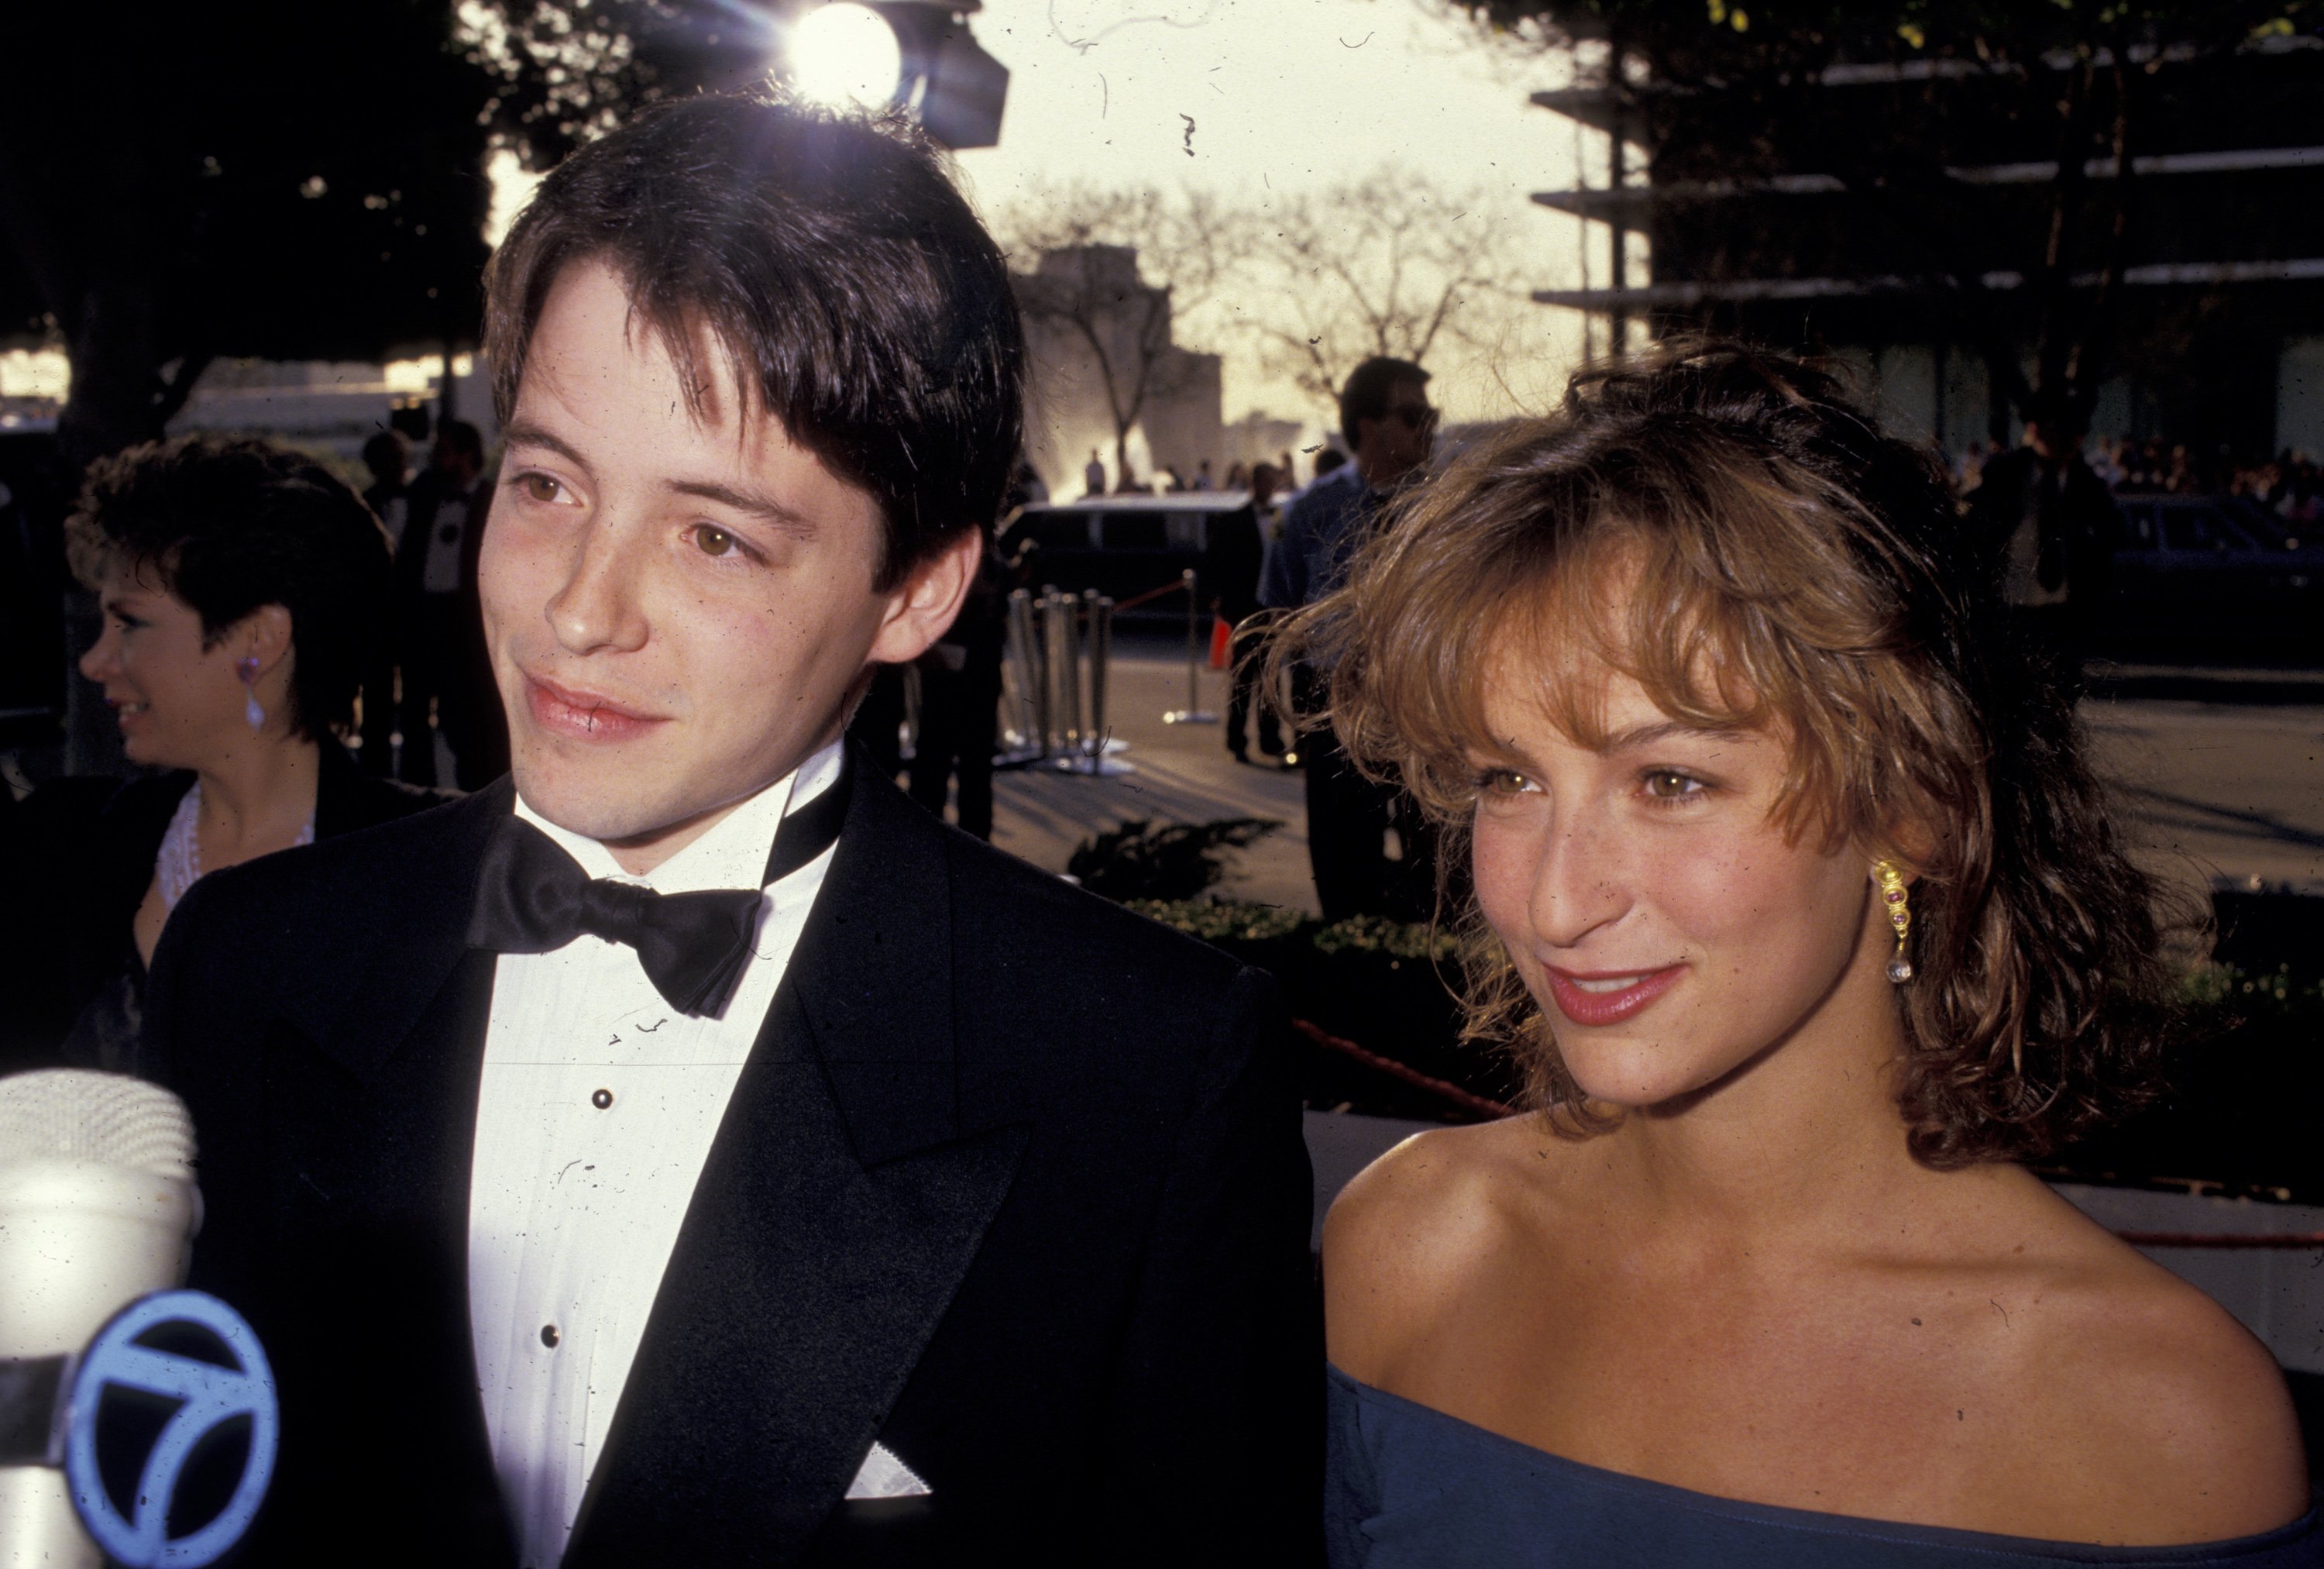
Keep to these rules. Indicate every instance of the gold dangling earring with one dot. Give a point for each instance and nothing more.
(1900, 916)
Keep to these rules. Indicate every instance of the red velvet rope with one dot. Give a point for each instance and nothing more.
(2290, 1242)
(1451, 1092)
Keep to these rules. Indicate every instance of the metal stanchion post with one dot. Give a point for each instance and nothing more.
(1194, 713)
(1065, 671)
(1095, 754)
(1028, 740)
(1098, 611)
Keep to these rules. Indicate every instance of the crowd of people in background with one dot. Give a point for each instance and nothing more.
(2291, 485)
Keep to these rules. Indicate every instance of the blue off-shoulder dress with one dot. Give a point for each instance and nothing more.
(1407, 1487)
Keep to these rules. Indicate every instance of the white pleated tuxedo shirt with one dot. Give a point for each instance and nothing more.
(598, 1107)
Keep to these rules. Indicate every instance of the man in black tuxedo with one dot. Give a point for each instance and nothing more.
(690, 1152)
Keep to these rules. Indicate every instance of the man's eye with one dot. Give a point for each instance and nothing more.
(1667, 784)
(539, 487)
(714, 541)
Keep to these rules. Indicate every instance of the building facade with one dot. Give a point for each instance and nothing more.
(1941, 220)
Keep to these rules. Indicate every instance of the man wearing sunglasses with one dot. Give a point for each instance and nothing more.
(1390, 428)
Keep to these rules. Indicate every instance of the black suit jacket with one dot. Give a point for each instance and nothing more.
(82, 852)
(1012, 1182)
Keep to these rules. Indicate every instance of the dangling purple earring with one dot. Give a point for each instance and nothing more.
(248, 667)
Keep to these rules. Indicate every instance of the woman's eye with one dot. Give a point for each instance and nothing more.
(1667, 784)
(714, 541)
(1502, 781)
(539, 487)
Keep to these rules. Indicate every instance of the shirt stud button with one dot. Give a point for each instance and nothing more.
(601, 1099)
(548, 1336)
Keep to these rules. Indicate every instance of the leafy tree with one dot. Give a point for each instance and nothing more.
(285, 180)
(266, 178)
(2073, 91)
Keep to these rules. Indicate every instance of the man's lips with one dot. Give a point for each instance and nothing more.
(583, 716)
(1594, 996)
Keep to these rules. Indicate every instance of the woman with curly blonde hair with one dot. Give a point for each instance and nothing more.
(1799, 905)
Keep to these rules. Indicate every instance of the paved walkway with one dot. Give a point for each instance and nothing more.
(1182, 774)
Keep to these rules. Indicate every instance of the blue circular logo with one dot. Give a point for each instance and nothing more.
(234, 1386)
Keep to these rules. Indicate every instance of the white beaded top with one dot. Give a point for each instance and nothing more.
(178, 864)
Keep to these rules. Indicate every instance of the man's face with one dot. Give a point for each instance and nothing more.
(676, 608)
(1393, 445)
(452, 462)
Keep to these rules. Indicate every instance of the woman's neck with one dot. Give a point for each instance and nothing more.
(257, 798)
(1806, 1136)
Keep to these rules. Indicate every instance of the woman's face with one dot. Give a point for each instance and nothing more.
(179, 704)
(1651, 903)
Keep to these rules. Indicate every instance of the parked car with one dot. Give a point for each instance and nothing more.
(1123, 546)
(2199, 574)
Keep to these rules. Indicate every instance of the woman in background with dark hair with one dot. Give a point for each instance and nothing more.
(1797, 902)
(245, 588)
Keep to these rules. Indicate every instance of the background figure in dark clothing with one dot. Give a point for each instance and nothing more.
(389, 496)
(440, 628)
(2047, 526)
(1390, 428)
(1236, 550)
(960, 706)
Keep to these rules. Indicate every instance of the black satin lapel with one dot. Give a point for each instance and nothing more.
(853, 1176)
(403, 931)
(873, 975)
(801, 1293)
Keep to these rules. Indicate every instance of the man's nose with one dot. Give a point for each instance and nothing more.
(597, 608)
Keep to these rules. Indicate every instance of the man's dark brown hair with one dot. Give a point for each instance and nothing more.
(1369, 390)
(853, 292)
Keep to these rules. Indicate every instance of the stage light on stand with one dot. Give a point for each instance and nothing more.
(847, 55)
(915, 55)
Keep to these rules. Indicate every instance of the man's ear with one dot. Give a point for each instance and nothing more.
(923, 607)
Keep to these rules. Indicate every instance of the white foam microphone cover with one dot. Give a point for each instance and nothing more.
(96, 1203)
(98, 1208)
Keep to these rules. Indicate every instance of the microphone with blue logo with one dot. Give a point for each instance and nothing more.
(138, 1423)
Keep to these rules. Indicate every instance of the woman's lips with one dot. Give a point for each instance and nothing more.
(1594, 996)
(583, 715)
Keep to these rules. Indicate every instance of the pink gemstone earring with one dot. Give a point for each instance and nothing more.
(248, 667)
(1900, 916)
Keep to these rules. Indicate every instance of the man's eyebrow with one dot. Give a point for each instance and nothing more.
(750, 502)
(525, 433)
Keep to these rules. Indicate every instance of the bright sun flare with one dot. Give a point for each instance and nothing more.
(846, 54)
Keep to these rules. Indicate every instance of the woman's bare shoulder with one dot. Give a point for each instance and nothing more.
(2177, 1418)
(1405, 1240)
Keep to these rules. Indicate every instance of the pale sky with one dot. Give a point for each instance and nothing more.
(1291, 93)
(1287, 95)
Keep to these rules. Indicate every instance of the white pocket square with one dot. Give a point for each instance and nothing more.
(883, 1476)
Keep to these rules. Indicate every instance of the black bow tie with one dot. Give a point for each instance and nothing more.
(532, 898)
